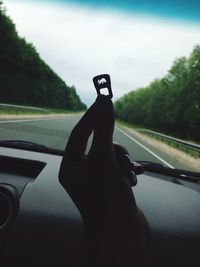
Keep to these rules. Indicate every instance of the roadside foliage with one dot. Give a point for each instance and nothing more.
(25, 78)
(170, 105)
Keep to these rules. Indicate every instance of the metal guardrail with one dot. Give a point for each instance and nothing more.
(23, 107)
(186, 146)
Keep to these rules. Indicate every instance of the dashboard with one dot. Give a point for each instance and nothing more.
(41, 226)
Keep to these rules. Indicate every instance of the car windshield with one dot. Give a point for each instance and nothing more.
(51, 50)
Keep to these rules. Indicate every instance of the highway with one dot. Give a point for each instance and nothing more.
(54, 133)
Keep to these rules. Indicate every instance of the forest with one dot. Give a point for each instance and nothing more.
(25, 78)
(170, 105)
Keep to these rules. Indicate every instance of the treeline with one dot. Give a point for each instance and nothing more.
(170, 105)
(25, 78)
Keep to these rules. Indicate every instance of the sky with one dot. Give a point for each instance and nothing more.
(135, 44)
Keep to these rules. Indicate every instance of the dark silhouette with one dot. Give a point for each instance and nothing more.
(117, 233)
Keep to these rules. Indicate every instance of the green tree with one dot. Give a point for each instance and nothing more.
(171, 104)
(25, 78)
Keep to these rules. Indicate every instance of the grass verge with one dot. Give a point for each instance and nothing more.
(190, 163)
(21, 111)
(182, 148)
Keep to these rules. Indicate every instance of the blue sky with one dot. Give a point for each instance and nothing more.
(134, 41)
(179, 9)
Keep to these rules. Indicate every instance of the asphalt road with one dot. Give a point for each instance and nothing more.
(54, 133)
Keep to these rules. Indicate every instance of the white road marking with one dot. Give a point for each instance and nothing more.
(147, 149)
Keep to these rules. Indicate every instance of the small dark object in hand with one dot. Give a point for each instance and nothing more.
(103, 81)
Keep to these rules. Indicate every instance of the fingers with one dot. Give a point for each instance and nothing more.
(100, 118)
(77, 142)
(102, 145)
(76, 145)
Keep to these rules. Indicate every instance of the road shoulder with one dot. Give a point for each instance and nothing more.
(175, 157)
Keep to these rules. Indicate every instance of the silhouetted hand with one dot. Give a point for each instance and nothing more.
(116, 231)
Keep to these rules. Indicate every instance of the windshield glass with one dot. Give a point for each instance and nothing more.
(51, 50)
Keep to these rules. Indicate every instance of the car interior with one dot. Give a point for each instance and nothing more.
(40, 225)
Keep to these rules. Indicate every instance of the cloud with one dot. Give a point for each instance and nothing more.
(79, 43)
